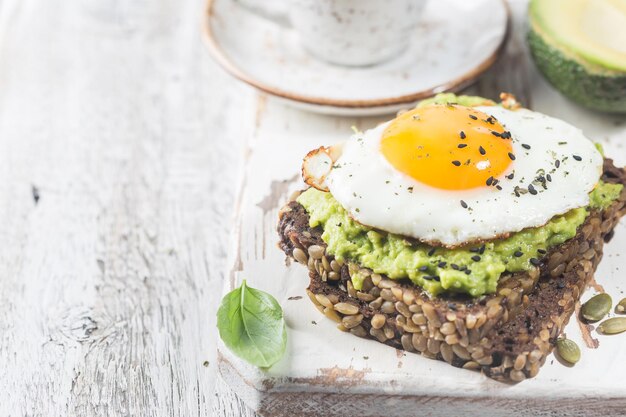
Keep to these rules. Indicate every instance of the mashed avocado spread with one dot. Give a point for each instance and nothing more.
(394, 256)
(439, 269)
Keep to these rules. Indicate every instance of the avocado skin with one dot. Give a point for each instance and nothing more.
(576, 79)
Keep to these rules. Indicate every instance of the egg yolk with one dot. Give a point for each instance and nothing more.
(449, 147)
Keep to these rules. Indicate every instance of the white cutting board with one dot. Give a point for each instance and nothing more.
(331, 373)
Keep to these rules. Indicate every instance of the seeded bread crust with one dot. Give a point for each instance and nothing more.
(507, 335)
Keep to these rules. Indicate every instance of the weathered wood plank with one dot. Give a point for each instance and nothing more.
(314, 378)
(132, 137)
(511, 73)
(227, 403)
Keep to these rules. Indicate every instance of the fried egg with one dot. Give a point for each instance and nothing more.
(452, 175)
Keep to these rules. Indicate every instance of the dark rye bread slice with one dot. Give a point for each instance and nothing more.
(507, 335)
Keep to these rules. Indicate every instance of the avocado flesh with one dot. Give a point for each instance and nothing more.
(593, 29)
(587, 84)
(398, 258)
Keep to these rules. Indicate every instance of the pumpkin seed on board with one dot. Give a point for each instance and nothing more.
(597, 307)
(620, 308)
(568, 350)
(613, 326)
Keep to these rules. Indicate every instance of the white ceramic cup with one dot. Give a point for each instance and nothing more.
(347, 32)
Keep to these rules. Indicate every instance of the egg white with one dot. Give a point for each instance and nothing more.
(377, 195)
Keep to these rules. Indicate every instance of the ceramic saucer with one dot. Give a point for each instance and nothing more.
(456, 41)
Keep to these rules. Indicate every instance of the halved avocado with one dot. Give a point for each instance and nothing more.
(580, 47)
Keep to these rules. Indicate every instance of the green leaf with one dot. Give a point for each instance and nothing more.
(251, 324)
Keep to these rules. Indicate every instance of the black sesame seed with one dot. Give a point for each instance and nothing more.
(511, 156)
(549, 177)
(463, 204)
(467, 271)
(489, 180)
(498, 188)
(505, 135)
(461, 145)
(535, 261)
(475, 258)
(462, 135)
(525, 146)
(442, 264)
(455, 267)
(456, 163)
(423, 268)
(474, 250)
(431, 277)
(496, 134)
(516, 191)
(531, 189)
(541, 251)
(482, 248)
(576, 157)
(482, 150)
(431, 252)
(511, 175)
(557, 163)
(518, 254)
(473, 117)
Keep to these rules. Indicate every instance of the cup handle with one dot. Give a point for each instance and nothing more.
(275, 11)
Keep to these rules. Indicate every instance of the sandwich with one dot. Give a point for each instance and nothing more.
(464, 230)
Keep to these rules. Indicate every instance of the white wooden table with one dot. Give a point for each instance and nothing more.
(121, 144)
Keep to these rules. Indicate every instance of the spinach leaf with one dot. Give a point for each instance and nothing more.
(251, 324)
